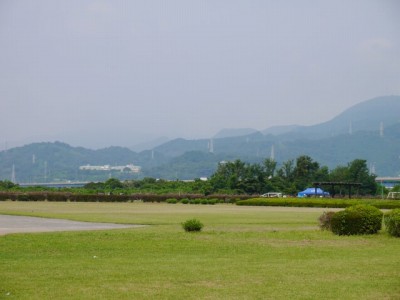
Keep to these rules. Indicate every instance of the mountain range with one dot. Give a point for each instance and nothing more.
(369, 130)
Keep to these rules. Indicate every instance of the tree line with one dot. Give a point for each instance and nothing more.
(238, 177)
(290, 177)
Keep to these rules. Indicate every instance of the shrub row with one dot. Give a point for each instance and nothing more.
(207, 201)
(196, 201)
(63, 197)
(319, 202)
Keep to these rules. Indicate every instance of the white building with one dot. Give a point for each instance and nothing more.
(132, 168)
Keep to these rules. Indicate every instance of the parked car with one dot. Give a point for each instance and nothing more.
(272, 195)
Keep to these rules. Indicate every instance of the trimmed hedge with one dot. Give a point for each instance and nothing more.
(357, 219)
(319, 202)
(392, 222)
(69, 196)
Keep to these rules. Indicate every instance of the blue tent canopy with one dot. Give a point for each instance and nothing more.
(312, 192)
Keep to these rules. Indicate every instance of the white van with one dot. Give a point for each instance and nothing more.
(272, 195)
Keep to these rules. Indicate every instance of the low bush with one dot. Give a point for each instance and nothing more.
(171, 201)
(23, 197)
(185, 201)
(325, 220)
(392, 222)
(212, 201)
(192, 225)
(357, 219)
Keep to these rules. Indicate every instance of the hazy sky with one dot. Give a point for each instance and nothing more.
(101, 73)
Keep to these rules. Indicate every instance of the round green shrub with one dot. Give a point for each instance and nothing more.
(325, 220)
(185, 201)
(357, 219)
(392, 222)
(204, 201)
(192, 225)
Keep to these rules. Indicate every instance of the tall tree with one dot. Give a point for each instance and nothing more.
(305, 171)
(254, 180)
(358, 172)
(287, 170)
(228, 175)
(269, 167)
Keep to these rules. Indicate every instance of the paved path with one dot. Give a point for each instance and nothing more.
(15, 224)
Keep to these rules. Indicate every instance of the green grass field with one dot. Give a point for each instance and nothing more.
(242, 253)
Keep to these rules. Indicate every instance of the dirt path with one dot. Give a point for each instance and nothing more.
(16, 224)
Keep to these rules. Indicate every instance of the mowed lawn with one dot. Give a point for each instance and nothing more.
(242, 253)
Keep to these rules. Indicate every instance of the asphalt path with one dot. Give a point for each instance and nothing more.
(19, 224)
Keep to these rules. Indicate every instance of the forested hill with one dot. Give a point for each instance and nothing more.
(45, 162)
(188, 159)
(365, 116)
(382, 152)
(41, 162)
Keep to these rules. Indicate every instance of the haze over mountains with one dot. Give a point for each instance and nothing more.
(369, 130)
(125, 73)
(366, 116)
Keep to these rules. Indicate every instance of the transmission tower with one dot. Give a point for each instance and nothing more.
(272, 157)
(45, 171)
(13, 180)
(211, 146)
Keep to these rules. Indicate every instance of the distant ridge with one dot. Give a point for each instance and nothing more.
(149, 145)
(231, 132)
(278, 130)
(329, 143)
(365, 116)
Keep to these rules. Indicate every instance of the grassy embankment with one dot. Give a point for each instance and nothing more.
(319, 202)
(242, 253)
